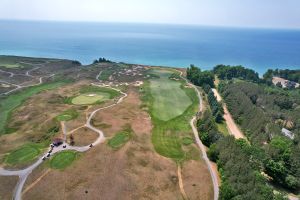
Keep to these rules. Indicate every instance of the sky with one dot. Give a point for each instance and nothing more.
(238, 13)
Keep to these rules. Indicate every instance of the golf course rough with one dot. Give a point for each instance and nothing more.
(170, 100)
(24, 154)
(63, 159)
(11, 102)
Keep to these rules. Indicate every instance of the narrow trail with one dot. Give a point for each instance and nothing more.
(180, 181)
(213, 174)
(20, 86)
(231, 125)
(24, 173)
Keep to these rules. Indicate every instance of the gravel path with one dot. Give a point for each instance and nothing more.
(231, 125)
(213, 174)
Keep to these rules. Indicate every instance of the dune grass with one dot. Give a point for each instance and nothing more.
(63, 159)
(10, 103)
(167, 136)
(24, 154)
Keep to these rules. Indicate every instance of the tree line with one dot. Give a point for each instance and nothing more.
(229, 72)
(261, 111)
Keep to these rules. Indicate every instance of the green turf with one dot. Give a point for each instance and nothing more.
(24, 154)
(222, 127)
(95, 89)
(167, 135)
(170, 100)
(67, 115)
(91, 98)
(187, 141)
(63, 159)
(11, 102)
(119, 139)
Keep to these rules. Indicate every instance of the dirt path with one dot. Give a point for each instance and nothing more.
(213, 173)
(36, 181)
(231, 125)
(185, 197)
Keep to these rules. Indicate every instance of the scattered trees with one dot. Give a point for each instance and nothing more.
(101, 60)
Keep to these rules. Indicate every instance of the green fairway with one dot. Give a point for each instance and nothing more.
(90, 98)
(119, 139)
(24, 154)
(171, 122)
(63, 159)
(169, 98)
(67, 115)
(11, 102)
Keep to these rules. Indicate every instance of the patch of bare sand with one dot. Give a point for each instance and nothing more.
(7, 186)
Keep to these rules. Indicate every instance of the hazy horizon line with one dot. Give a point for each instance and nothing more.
(154, 23)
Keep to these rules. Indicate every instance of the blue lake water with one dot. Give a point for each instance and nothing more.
(166, 45)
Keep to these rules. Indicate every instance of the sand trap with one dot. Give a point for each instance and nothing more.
(5, 85)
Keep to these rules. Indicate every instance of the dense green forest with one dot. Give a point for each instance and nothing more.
(198, 77)
(292, 75)
(248, 167)
(262, 111)
(241, 178)
(229, 72)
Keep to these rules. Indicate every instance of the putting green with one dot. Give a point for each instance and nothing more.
(63, 159)
(90, 98)
(24, 154)
(170, 100)
(67, 115)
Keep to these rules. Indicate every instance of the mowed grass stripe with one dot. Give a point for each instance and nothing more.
(170, 100)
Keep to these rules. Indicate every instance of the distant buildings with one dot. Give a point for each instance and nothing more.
(285, 83)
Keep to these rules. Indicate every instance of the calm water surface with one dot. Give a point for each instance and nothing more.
(168, 45)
